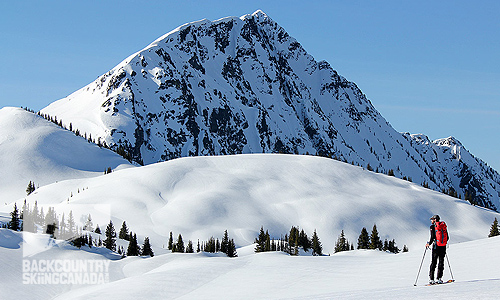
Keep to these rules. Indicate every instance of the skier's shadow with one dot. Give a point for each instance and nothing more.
(481, 280)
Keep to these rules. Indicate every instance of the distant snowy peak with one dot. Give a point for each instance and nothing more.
(451, 163)
(244, 85)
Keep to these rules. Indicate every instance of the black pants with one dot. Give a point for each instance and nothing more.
(437, 252)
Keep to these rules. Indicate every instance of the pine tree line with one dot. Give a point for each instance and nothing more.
(120, 150)
(212, 245)
(291, 243)
(366, 241)
(34, 219)
(390, 172)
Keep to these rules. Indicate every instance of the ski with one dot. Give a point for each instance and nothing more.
(444, 282)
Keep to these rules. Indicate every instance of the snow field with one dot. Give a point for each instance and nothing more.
(272, 275)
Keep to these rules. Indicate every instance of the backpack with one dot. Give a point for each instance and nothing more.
(441, 234)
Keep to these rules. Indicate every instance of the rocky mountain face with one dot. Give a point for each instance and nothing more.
(243, 85)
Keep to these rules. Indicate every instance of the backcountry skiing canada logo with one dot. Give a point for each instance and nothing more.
(49, 239)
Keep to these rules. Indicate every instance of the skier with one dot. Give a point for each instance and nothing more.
(438, 240)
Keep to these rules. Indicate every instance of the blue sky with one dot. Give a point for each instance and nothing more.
(429, 67)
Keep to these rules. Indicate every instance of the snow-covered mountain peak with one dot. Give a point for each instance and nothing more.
(244, 85)
(449, 141)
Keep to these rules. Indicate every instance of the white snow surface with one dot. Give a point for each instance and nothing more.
(273, 275)
(34, 149)
(200, 197)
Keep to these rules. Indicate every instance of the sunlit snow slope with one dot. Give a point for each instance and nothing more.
(34, 149)
(202, 196)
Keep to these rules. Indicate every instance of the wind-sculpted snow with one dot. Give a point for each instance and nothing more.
(244, 85)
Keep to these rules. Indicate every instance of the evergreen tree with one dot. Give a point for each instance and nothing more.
(51, 222)
(14, 219)
(123, 234)
(24, 211)
(89, 225)
(386, 245)
(71, 225)
(210, 245)
(170, 242)
(78, 241)
(267, 245)
(179, 245)
(392, 247)
(41, 218)
(405, 249)
(97, 229)
(30, 189)
(34, 216)
(494, 231)
(304, 240)
(189, 248)
(364, 239)
(133, 247)
(224, 245)
(110, 241)
(375, 242)
(232, 249)
(342, 243)
(295, 245)
(28, 220)
(316, 244)
(198, 248)
(62, 228)
(147, 250)
(261, 241)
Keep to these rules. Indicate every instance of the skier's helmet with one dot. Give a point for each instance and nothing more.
(435, 217)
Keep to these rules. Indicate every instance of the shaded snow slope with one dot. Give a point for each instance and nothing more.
(34, 149)
(200, 197)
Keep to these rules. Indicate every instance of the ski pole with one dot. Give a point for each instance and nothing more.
(449, 267)
(415, 284)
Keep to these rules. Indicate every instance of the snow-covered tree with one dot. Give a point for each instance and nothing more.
(89, 225)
